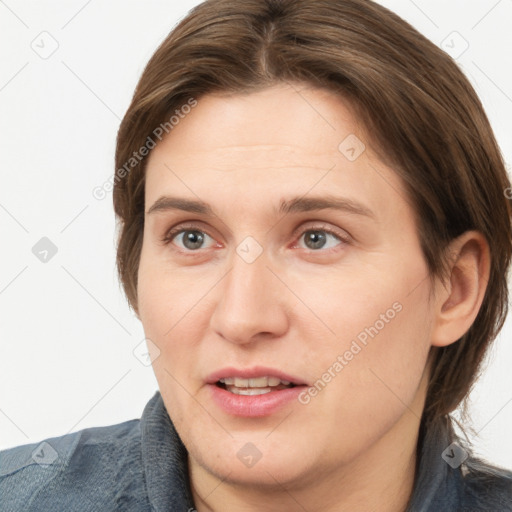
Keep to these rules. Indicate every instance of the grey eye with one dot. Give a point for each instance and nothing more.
(192, 239)
(317, 239)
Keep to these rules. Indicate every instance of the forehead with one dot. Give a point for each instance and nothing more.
(282, 139)
(281, 120)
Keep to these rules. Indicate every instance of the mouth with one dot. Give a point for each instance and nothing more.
(254, 386)
(253, 392)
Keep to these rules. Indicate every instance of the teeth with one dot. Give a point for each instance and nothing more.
(242, 383)
(257, 382)
(248, 391)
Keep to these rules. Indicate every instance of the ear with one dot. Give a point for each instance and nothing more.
(458, 300)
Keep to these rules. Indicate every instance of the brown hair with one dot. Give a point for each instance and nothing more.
(421, 113)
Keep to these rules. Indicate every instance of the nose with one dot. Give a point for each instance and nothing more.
(251, 303)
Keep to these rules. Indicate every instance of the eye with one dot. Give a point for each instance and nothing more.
(191, 239)
(188, 239)
(315, 239)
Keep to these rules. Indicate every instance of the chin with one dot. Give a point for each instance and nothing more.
(262, 463)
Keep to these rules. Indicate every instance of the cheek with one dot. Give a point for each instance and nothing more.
(173, 317)
(375, 383)
(163, 297)
(380, 339)
(165, 313)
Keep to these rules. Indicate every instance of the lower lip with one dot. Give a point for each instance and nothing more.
(253, 405)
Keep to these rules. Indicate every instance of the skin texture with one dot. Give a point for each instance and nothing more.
(297, 307)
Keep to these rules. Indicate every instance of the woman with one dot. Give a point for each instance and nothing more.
(315, 235)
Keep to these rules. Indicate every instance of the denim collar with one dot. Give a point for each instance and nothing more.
(437, 485)
(164, 458)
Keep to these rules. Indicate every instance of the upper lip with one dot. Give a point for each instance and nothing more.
(253, 372)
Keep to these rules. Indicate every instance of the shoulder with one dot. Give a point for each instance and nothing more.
(486, 487)
(67, 472)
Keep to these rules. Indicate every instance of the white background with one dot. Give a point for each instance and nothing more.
(67, 335)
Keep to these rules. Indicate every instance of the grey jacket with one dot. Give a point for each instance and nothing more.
(141, 465)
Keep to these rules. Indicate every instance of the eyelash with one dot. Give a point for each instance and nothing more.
(173, 233)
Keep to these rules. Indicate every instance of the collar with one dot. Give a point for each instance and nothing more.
(164, 459)
(437, 484)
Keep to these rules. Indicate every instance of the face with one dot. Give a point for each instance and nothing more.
(285, 253)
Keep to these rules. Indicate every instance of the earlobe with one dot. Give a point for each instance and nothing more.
(458, 300)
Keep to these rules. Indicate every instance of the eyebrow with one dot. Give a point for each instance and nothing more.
(307, 204)
(294, 205)
(166, 203)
